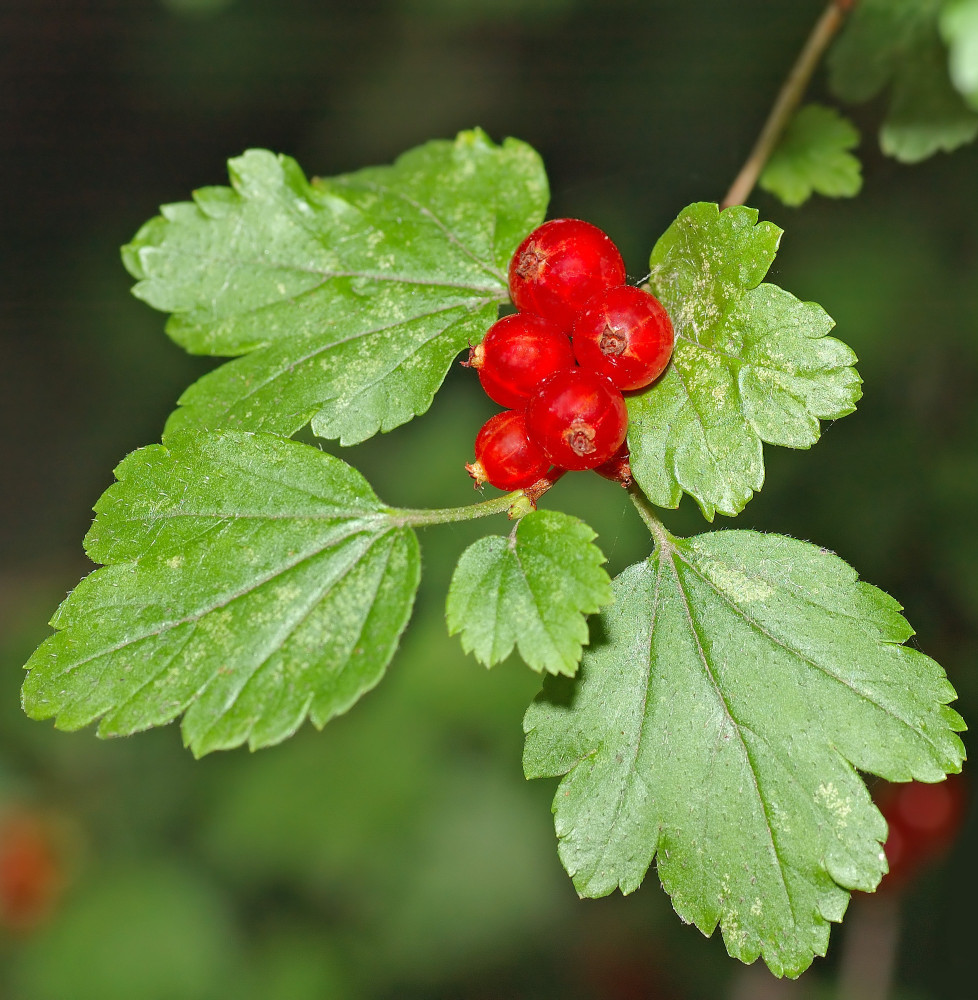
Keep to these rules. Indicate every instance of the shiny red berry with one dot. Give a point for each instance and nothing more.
(578, 418)
(618, 468)
(624, 333)
(505, 457)
(517, 354)
(559, 266)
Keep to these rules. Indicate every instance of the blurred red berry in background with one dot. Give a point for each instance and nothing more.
(924, 819)
(30, 873)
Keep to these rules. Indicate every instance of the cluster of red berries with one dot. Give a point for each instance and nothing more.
(560, 364)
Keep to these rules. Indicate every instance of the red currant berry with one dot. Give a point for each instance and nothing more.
(30, 873)
(559, 266)
(505, 457)
(578, 418)
(626, 334)
(923, 821)
(617, 468)
(517, 354)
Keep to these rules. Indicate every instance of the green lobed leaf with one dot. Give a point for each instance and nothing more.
(959, 29)
(530, 590)
(252, 582)
(896, 43)
(812, 157)
(348, 297)
(751, 364)
(718, 728)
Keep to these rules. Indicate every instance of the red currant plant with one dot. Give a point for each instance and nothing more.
(251, 581)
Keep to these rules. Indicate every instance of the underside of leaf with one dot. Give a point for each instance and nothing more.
(531, 590)
(742, 683)
(349, 296)
(252, 582)
(752, 364)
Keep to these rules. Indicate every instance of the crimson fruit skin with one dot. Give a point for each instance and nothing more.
(517, 353)
(561, 265)
(578, 418)
(505, 457)
(626, 334)
(618, 468)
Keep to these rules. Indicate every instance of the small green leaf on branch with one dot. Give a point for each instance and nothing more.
(813, 157)
(348, 297)
(959, 29)
(741, 683)
(897, 43)
(251, 582)
(531, 590)
(752, 364)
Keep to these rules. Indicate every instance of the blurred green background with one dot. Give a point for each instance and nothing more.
(400, 853)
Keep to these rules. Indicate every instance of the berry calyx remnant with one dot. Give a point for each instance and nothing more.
(626, 334)
(578, 418)
(505, 457)
(517, 354)
(561, 265)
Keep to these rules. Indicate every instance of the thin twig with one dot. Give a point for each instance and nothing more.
(788, 99)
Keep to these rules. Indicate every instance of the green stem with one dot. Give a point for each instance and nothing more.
(663, 539)
(451, 515)
(516, 504)
(789, 97)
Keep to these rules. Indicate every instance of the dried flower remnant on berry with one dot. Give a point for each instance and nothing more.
(559, 266)
(578, 418)
(626, 334)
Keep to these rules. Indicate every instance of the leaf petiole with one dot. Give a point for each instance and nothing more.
(404, 517)
(663, 539)
(516, 505)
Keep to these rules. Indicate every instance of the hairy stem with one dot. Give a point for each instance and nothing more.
(516, 504)
(647, 512)
(451, 515)
(788, 99)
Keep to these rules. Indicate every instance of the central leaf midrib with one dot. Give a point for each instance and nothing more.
(499, 290)
(353, 182)
(632, 769)
(289, 365)
(755, 626)
(711, 676)
(290, 628)
(222, 600)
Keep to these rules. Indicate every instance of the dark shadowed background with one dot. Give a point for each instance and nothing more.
(400, 853)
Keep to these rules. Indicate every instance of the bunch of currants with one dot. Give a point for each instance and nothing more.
(580, 338)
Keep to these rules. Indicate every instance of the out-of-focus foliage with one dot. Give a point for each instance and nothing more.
(959, 28)
(896, 44)
(812, 157)
(194, 8)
